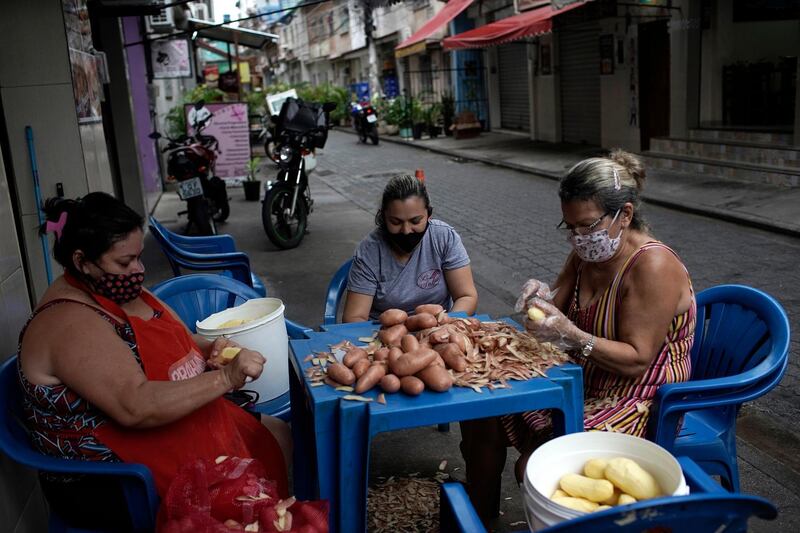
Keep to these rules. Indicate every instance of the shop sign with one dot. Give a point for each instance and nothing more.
(228, 124)
(170, 58)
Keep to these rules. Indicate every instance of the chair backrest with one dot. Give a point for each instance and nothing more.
(739, 329)
(170, 250)
(197, 296)
(13, 436)
(697, 512)
(336, 289)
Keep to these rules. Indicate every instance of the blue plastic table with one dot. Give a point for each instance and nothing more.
(332, 436)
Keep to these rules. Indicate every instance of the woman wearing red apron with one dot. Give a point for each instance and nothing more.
(111, 374)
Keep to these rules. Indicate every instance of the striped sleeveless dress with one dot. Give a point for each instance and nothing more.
(613, 402)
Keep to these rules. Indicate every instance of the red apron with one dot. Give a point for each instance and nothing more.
(169, 353)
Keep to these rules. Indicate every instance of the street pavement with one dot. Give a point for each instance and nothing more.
(507, 221)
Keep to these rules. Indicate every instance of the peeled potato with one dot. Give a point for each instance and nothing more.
(578, 504)
(559, 494)
(536, 314)
(631, 478)
(602, 507)
(595, 468)
(625, 499)
(234, 322)
(594, 490)
(230, 352)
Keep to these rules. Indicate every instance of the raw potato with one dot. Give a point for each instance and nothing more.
(436, 378)
(391, 336)
(409, 343)
(536, 314)
(578, 504)
(410, 363)
(632, 479)
(625, 499)
(613, 499)
(440, 336)
(230, 352)
(394, 354)
(431, 309)
(452, 355)
(595, 490)
(370, 378)
(381, 354)
(390, 383)
(360, 367)
(559, 494)
(353, 355)
(412, 386)
(392, 317)
(421, 321)
(341, 374)
(595, 468)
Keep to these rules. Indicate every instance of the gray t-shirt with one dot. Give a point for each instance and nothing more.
(394, 285)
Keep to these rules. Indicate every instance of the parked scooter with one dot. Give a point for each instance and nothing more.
(191, 162)
(365, 121)
(300, 128)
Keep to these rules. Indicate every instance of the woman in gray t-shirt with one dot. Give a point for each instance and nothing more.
(409, 259)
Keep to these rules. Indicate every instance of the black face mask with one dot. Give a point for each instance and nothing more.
(406, 242)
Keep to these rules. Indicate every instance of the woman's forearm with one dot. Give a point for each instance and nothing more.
(157, 403)
(467, 304)
(618, 357)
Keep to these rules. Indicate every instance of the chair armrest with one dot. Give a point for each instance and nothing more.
(697, 479)
(296, 331)
(456, 511)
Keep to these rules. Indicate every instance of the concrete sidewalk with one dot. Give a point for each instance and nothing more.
(759, 205)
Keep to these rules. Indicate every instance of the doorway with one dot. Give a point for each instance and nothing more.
(653, 81)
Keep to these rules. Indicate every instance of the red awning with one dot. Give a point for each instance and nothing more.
(448, 13)
(528, 24)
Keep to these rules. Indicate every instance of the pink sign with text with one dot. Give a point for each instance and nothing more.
(228, 124)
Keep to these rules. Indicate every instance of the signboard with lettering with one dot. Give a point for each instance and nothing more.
(228, 124)
(170, 59)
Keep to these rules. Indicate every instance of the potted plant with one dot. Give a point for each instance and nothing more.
(448, 112)
(404, 117)
(417, 119)
(432, 116)
(252, 186)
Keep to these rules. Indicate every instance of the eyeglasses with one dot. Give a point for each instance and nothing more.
(579, 230)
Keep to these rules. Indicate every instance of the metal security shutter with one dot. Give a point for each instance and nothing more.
(513, 66)
(579, 62)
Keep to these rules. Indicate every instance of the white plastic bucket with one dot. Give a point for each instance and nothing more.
(264, 332)
(568, 454)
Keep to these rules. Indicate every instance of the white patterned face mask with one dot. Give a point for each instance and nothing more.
(596, 247)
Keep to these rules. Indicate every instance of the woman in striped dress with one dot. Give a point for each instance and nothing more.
(624, 309)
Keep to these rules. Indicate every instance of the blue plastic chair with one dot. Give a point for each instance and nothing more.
(135, 480)
(197, 296)
(336, 290)
(708, 508)
(740, 353)
(210, 253)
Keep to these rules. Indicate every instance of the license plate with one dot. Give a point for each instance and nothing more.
(190, 188)
(372, 118)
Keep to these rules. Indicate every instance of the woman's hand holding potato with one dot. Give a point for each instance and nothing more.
(246, 364)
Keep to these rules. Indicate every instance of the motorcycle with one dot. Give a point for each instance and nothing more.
(190, 162)
(300, 129)
(365, 121)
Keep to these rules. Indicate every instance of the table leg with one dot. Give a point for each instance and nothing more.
(354, 440)
(570, 419)
(303, 470)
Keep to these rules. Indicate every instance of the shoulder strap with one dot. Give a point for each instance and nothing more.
(106, 316)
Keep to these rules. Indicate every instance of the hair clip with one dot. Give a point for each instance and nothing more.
(617, 183)
(57, 227)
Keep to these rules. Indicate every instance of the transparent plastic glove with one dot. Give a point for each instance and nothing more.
(534, 288)
(555, 327)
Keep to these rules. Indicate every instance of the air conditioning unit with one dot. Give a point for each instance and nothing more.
(161, 23)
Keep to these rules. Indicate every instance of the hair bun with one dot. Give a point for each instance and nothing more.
(631, 163)
(53, 207)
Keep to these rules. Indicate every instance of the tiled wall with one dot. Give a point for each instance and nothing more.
(22, 507)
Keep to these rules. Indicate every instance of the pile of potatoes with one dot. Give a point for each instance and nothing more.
(403, 362)
(605, 483)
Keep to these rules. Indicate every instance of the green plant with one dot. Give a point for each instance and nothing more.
(393, 111)
(417, 112)
(327, 92)
(256, 103)
(253, 168)
(432, 114)
(176, 117)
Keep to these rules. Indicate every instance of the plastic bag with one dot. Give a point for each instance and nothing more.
(233, 494)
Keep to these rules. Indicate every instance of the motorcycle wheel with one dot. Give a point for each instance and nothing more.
(283, 231)
(223, 208)
(200, 215)
(362, 136)
(373, 135)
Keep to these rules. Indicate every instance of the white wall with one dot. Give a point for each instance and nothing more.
(615, 93)
(727, 42)
(547, 97)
